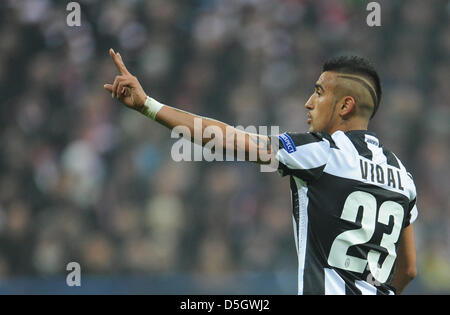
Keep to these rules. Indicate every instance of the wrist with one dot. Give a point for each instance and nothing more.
(151, 107)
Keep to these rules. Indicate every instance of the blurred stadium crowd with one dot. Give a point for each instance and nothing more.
(84, 179)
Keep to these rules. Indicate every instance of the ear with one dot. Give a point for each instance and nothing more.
(347, 107)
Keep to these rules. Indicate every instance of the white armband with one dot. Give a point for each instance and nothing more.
(151, 107)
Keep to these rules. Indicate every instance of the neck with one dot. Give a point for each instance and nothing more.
(355, 123)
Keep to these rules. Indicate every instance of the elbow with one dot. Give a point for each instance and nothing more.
(410, 273)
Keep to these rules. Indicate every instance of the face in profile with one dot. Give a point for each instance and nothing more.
(321, 105)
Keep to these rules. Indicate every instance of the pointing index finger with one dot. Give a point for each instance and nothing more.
(118, 62)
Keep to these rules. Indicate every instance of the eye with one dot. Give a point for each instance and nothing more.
(318, 93)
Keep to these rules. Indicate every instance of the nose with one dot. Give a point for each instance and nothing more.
(309, 103)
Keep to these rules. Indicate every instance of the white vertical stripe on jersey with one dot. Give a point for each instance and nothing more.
(302, 229)
(366, 288)
(414, 214)
(334, 284)
(295, 228)
(378, 156)
(344, 143)
(295, 234)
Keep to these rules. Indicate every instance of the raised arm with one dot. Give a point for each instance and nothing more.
(127, 89)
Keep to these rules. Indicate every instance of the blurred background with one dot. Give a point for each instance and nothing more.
(84, 179)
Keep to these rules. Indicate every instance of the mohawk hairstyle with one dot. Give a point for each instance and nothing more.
(360, 66)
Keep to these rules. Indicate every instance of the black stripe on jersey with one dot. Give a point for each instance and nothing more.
(407, 218)
(327, 137)
(360, 145)
(351, 288)
(391, 159)
(313, 271)
(307, 175)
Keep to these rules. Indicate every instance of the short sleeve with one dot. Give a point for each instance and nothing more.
(303, 155)
(413, 213)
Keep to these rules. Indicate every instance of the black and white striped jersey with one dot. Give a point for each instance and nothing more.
(351, 200)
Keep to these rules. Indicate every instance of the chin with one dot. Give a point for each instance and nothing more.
(313, 129)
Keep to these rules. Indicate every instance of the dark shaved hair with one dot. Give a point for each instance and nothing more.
(357, 66)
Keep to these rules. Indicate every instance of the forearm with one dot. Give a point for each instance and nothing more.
(201, 130)
(405, 267)
(401, 281)
(172, 117)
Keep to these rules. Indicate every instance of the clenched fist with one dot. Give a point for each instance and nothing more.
(126, 87)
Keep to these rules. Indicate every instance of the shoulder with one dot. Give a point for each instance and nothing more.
(296, 139)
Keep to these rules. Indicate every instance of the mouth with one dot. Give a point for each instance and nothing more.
(308, 118)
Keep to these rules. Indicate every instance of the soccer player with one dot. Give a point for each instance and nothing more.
(353, 200)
